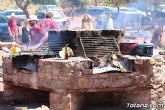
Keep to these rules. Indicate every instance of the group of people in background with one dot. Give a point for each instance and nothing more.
(101, 22)
(31, 33)
(34, 34)
(106, 23)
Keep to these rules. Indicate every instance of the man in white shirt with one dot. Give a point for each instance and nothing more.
(110, 22)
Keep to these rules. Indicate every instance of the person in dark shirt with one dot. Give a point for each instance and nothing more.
(66, 25)
(25, 33)
(156, 36)
(98, 22)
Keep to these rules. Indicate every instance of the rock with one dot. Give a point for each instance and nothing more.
(39, 108)
(138, 61)
(21, 108)
(45, 107)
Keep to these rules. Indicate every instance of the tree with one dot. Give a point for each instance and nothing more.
(23, 4)
(154, 3)
(44, 2)
(52, 1)
(117, 3)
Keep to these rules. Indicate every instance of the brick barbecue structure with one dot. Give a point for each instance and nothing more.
(71, 85)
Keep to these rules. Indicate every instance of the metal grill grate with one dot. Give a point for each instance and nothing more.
(52, 48)
(99, 46)
(83, 43)
(44, 47)
(56, 46)
(56, 41)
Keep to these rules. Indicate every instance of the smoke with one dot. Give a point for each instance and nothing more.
(138, 4)
(146, 4)
(151, 22)
(151, 8)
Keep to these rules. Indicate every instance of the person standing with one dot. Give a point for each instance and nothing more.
(25, 33)
(156, 38)
(38, 35)
(108, 22)
(12, 28)
(87, 22)
(66, 25)
(98, 22)
(48, 23)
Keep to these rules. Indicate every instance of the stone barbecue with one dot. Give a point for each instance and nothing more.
(71, 85)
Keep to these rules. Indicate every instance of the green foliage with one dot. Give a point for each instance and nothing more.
(86, 1)
(73, 2)
(115, 2)
(107, 2)
(59, 2)
(38, 1)
(154, 3)
(7, 4)
(44, 2)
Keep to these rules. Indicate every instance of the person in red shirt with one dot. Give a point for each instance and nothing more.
(48, 23)
(38, 35)
(12, 28)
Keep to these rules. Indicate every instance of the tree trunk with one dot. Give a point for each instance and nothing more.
(23, 5)
(26, 12)
(95, 2)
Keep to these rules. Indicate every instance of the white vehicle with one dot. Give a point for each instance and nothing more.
(96, 11)
(48, 8)
(128, 20)
(133, 10)
(19, 14)
(58, 16)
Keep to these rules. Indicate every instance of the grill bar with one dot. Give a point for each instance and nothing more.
(99, 46)
(84, 43)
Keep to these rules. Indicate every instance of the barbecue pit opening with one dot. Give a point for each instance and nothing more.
(114, 100)
(102, 101)
(26, 97)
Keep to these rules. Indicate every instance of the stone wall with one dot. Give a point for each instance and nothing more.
(67, 81)
(20, 94)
